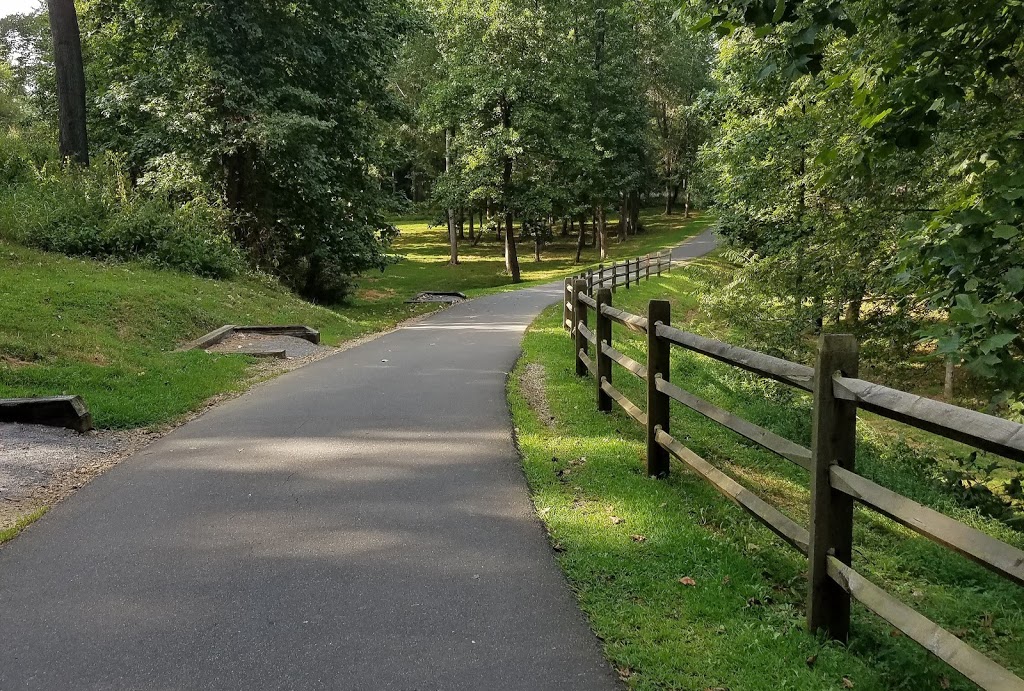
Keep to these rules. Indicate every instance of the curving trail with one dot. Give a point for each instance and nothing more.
(361, 523)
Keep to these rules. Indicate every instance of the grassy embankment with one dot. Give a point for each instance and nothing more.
(625, 541)
(107, 331)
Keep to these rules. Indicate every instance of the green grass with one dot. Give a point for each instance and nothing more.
(107, 331)
(22, 522)
(742, 625)
(425, 250)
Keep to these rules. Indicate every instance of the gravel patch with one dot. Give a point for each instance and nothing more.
(41, 465)
(256, 344)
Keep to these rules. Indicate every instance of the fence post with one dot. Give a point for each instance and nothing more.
(603, 333)
(566, 298)
(659, 263)
(647, 268)
(658, 403)
(627, 274)
(590, 282)
(669, 253)
(579, 316)
(615, 276)
(833, 442)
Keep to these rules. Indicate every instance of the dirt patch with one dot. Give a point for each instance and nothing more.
(374, 295)
(39, 466)
(14, 363)
(264, 344)
(97, 359)
(532, 383)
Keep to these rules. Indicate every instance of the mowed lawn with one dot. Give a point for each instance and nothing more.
(425, 253)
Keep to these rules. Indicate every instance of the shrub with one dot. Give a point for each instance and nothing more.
(95, 212)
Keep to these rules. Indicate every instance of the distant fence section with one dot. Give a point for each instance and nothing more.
(617, 275)
(835, 485)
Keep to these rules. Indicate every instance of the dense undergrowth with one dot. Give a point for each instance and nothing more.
(625, 541)
(98, 212)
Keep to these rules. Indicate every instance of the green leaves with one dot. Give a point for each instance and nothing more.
(275, 108)
(997, 342)
(1004, 232)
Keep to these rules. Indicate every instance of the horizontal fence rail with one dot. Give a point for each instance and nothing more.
(835, 485)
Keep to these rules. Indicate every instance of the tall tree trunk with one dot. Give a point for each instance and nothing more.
(623, 218)
(538, 244)
(461, 223)
(453, 235)
(511, 257)
(670, 200)
(565, 226)
(601, 231)
(472, 217)
(581, 239)
(686, 200)
(67, 58)
(593, 226)
(852, 316)
(633, 223)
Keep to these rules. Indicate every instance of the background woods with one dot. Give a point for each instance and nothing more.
(862, 157)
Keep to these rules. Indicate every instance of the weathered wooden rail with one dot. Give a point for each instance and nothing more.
(619, 274)
(835, 485)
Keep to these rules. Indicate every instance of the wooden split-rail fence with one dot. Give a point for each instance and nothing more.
(835, 485)
(618, 275)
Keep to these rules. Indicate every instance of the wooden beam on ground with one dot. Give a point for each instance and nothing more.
(53, 411)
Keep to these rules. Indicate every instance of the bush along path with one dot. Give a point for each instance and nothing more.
(360, 523)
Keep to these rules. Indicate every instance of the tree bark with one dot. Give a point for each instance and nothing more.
(472, 217)
(623, 229)
(581, 239)
(67, 58)
(852, 316)
(453, 236)
(601, 232)
(633, 222)
(511, 257)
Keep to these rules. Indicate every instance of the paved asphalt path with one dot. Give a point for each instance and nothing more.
(361, 523)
